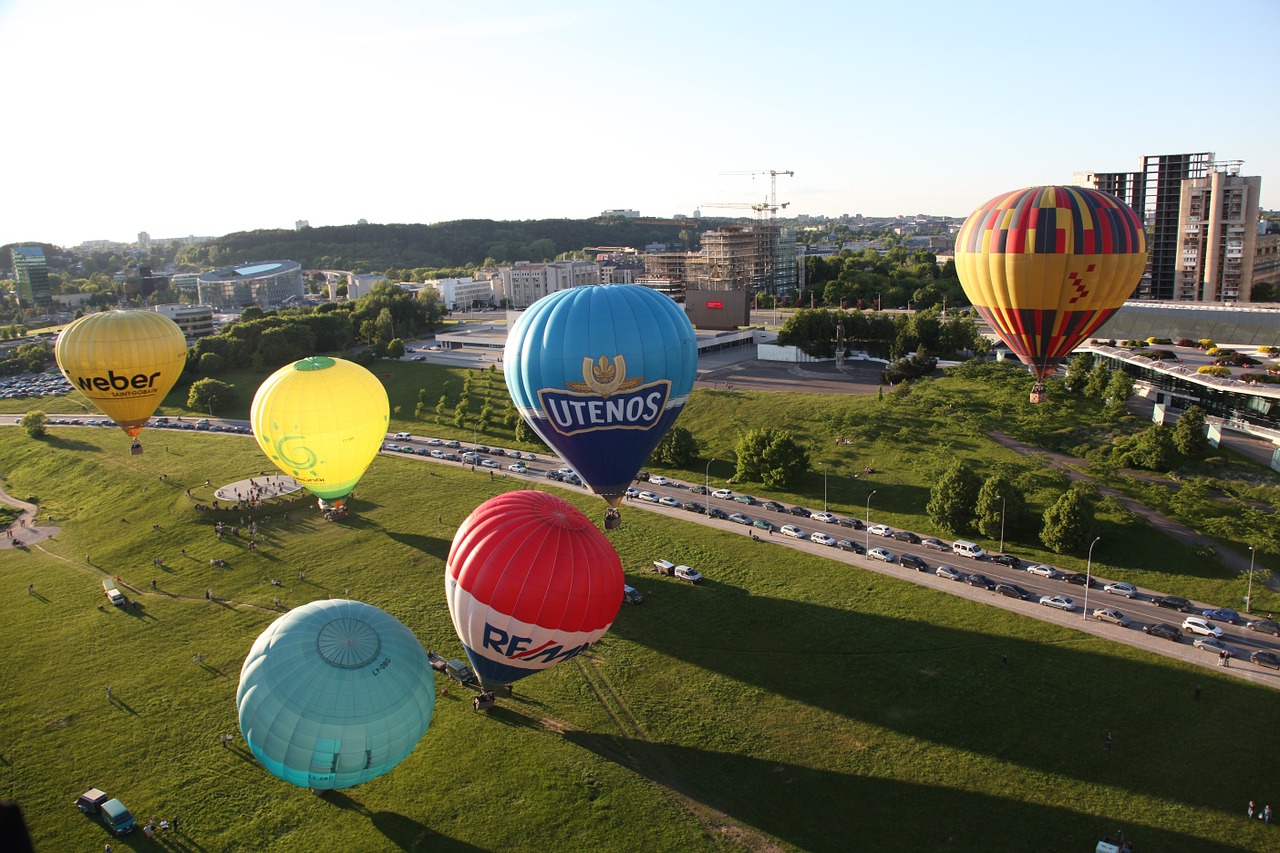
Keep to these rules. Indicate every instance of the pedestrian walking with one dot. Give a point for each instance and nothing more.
(1004, 661)
(153, 583)
(109, 699)
(1251, 808)
(1106, 744)
(31, 589)
(1266, 814)
(1197, 696)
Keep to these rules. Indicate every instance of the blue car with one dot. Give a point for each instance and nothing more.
(1222, 614)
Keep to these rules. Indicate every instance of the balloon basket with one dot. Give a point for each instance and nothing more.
(1038, 393)
(612, 519)
(135, 449)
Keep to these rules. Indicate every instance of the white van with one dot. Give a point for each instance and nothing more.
(968, 549)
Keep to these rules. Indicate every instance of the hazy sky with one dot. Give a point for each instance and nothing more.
(181, 117)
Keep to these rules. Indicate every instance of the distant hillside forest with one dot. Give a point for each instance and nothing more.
(445, 245)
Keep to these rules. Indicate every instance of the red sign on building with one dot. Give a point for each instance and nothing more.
(715, 304)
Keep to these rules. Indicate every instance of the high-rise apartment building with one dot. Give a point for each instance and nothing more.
(32, 275)
(1218, 228)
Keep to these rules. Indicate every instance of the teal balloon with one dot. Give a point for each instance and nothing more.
(334, 693)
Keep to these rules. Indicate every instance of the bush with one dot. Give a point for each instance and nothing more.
(1268, 350)
(1216, 351)
(1265, 378)
(1161, 341)
(1205, 343)
(1186, 342)
(1214, 370)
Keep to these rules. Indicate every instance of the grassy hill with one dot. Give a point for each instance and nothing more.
(790, 702)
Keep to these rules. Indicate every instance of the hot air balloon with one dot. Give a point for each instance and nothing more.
(334, 693)
(321, 420)
(601, 372)
(124, 362)
(530, 583)
(1047, 266)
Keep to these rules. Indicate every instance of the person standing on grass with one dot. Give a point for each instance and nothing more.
(1251, 808)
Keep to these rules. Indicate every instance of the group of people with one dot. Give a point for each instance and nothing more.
(1264, 813)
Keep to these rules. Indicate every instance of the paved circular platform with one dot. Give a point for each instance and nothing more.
(257, 489)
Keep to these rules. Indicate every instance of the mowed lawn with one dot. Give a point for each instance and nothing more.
(789, 702)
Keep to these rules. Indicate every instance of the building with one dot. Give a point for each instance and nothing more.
(195, 321)
(619, 213)
(1218, 226)
(266, 284)
(1155, 193)
(525, 283)
(458, 294)
(32, 275)
(1266, 261)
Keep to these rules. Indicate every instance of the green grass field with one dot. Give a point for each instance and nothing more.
(790, 702)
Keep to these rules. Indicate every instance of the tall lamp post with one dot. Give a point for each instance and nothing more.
(873, 491)
(824, 487)
(1001, 523)
(1088, 578)
(706, 480)
(1248, 596)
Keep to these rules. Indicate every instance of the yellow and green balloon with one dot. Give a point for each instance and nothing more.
(321, 420)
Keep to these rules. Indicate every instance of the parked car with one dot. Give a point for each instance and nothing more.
(949, 573)
(694, 506)
(403, 436)
(1080, 579)
(906, 536)
(1005, 560)
(648, 496)
(823, 539)
(981, 580)
(850, 545)
(851, 523)
(1210, 644)
(763, 524)
(688, 573)
(800, 512)
(518, 468)
(794, 532)
(914, 562)
(698, 490)
(1222, 614)
(773, 506)
(1173, 602)
(1267, 659)
(739, 518)
(659, 480)
(1164, 631)
(631, 595)
(460, 672)
(1200, 625)
(1061, 602)
(1110, 614)
(746, 499)
(1128, 590)
(1044, 571)
(1012, 590)
(824, 517)
(1266, 626)
(716, 512)
(667, 500)
(723, 494)
(881, 530)
(935, 544)
(880, 554)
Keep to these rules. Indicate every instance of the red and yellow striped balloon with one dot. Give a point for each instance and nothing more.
(1047, 266)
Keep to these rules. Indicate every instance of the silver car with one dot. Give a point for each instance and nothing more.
(1110, 614)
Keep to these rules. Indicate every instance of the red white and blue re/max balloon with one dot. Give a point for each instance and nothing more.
(530, 582)
(601, 373)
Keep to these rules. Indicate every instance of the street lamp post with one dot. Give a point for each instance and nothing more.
(824, 488)
(1248, 596)
(1001, 523)
(706, 481)
(873, 491)
(1088, 577)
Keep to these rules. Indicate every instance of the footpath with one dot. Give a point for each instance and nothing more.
(25, 530)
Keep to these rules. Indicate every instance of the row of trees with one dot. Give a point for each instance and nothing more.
(815, 332)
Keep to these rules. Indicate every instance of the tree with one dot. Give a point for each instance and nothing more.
(1078, 371)
(395, 348)
(206, 394)
(1119, 389)
(1001, 507)
(953, 498)
(770, 456)
(1189, 434)
(676, 449)
(211, 362)
(1070, 524)
(35, 423)
(1152, 449)
(1099, 377)
(525, 433)
(442, 406)
(812, 331)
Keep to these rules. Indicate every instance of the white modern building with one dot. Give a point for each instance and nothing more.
(195, 321)
(457, 294)
(265, 284)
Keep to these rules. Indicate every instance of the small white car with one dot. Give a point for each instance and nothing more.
(880, 530)
(1109, 614)
(688, 573)
(1200, 625)
(794, 532)
(1128, 590)
(882, 555)
(518, 468)
(648, 496)
(435, 442)
(723, 494)
(437, 454)
(403, 435)
(739, 518)
(667, 500)
(488, 463)
(825, 517)
(949, 573)
(1059, 601)
(659, 481)
(1044, 572)
(823, 539)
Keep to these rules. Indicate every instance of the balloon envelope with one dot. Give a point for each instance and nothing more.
(530, 582)
(321, 420)
(334, 693)
(124, 362)
(1047, 266)
(601, 372)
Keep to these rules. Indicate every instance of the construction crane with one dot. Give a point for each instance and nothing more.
(773, 181)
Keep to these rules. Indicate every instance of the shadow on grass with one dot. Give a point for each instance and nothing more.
(122, 705)
(1047, 712)
(69, 443)
(817, 809)
(404, 832)
(435, 546)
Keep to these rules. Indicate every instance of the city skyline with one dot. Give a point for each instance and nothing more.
(156, 118)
